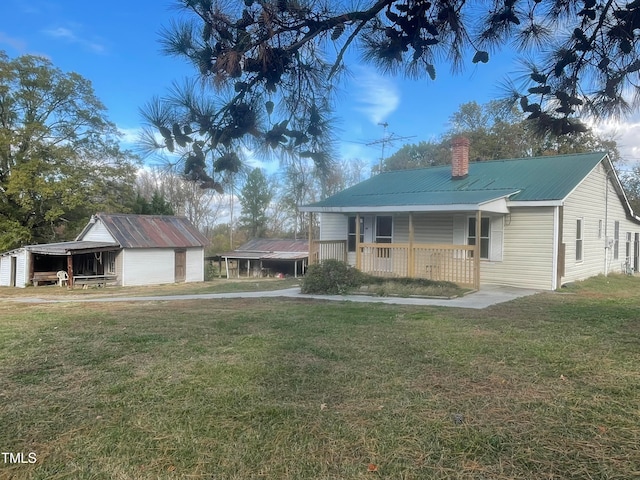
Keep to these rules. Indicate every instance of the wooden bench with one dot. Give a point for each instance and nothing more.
(48, 277)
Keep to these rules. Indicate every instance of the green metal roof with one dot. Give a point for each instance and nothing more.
(523, 179)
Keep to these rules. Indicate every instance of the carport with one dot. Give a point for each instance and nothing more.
(262, 257)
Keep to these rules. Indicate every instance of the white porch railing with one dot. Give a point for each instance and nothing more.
(442, 262)
(328, 249)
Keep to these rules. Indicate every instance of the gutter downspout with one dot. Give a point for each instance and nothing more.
(606, 221)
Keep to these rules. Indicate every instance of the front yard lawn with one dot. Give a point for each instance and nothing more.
(543, 387)
(211, 286)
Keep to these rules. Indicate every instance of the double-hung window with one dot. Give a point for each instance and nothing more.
(110, 263)
(384, 234)
(484, 235)
(579, 240)
(384, 229)
(627, 248)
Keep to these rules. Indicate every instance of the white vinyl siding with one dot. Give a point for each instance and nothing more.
(427, 228)
(5, 266)
(195, 265)
(98, 233)
(601, 212)
(527, 249)
(5, 270)
(21, 268)
(148, 266)
(333, 226)
(152, 266)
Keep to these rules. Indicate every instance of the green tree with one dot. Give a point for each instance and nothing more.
(276, 63)
(631, 183)
(255, 197)
(158, 205)
(60, 160)
(496, 131)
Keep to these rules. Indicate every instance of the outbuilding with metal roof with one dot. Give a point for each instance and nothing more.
(122, 249)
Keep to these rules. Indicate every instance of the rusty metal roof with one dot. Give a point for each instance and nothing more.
(152, 231)
(271, 249)
(69, 248)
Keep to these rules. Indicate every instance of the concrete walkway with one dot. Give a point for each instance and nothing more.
(487, 296)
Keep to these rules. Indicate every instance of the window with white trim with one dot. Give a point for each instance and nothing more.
(579, 227)
(627, 248)
(384, 234)
(110, 263)
(384, 229)
(484, 235)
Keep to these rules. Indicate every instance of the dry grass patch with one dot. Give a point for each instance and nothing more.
(213, 286)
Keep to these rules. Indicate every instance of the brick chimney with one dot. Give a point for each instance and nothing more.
(459, 158)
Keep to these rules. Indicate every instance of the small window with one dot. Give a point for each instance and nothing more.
(384, 229)
(627, 248)
(351, 233)
(484, 236)
(579, 240)
(384, 234)
(110, 263)
(616, 240)
(599, 228)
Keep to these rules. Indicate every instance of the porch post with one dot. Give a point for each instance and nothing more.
(70, 270)
(31, 262)
(476, 254)
(311, 252)
(410, 254)
(358, 255)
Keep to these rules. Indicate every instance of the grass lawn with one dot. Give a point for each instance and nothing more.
(213, 286)
(545, 387)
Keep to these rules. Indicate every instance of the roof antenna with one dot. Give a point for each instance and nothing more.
(386, 139)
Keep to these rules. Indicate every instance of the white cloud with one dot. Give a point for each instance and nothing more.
(61, 32)
(68, 35)
(131, 136)
(377, 96)
(626, 133)
(15, 43)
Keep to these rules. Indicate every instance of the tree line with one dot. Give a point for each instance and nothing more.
(265, 73)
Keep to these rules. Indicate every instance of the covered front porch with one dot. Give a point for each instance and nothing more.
(381, 255)
(72, 263)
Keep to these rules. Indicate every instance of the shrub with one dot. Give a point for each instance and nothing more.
(331, 277)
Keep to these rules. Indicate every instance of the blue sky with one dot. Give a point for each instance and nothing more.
(115, 44)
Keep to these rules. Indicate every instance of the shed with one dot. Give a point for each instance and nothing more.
(267, 257)
(119, 248)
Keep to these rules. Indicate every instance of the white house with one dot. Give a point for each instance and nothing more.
(121, 249)
(530, 222)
